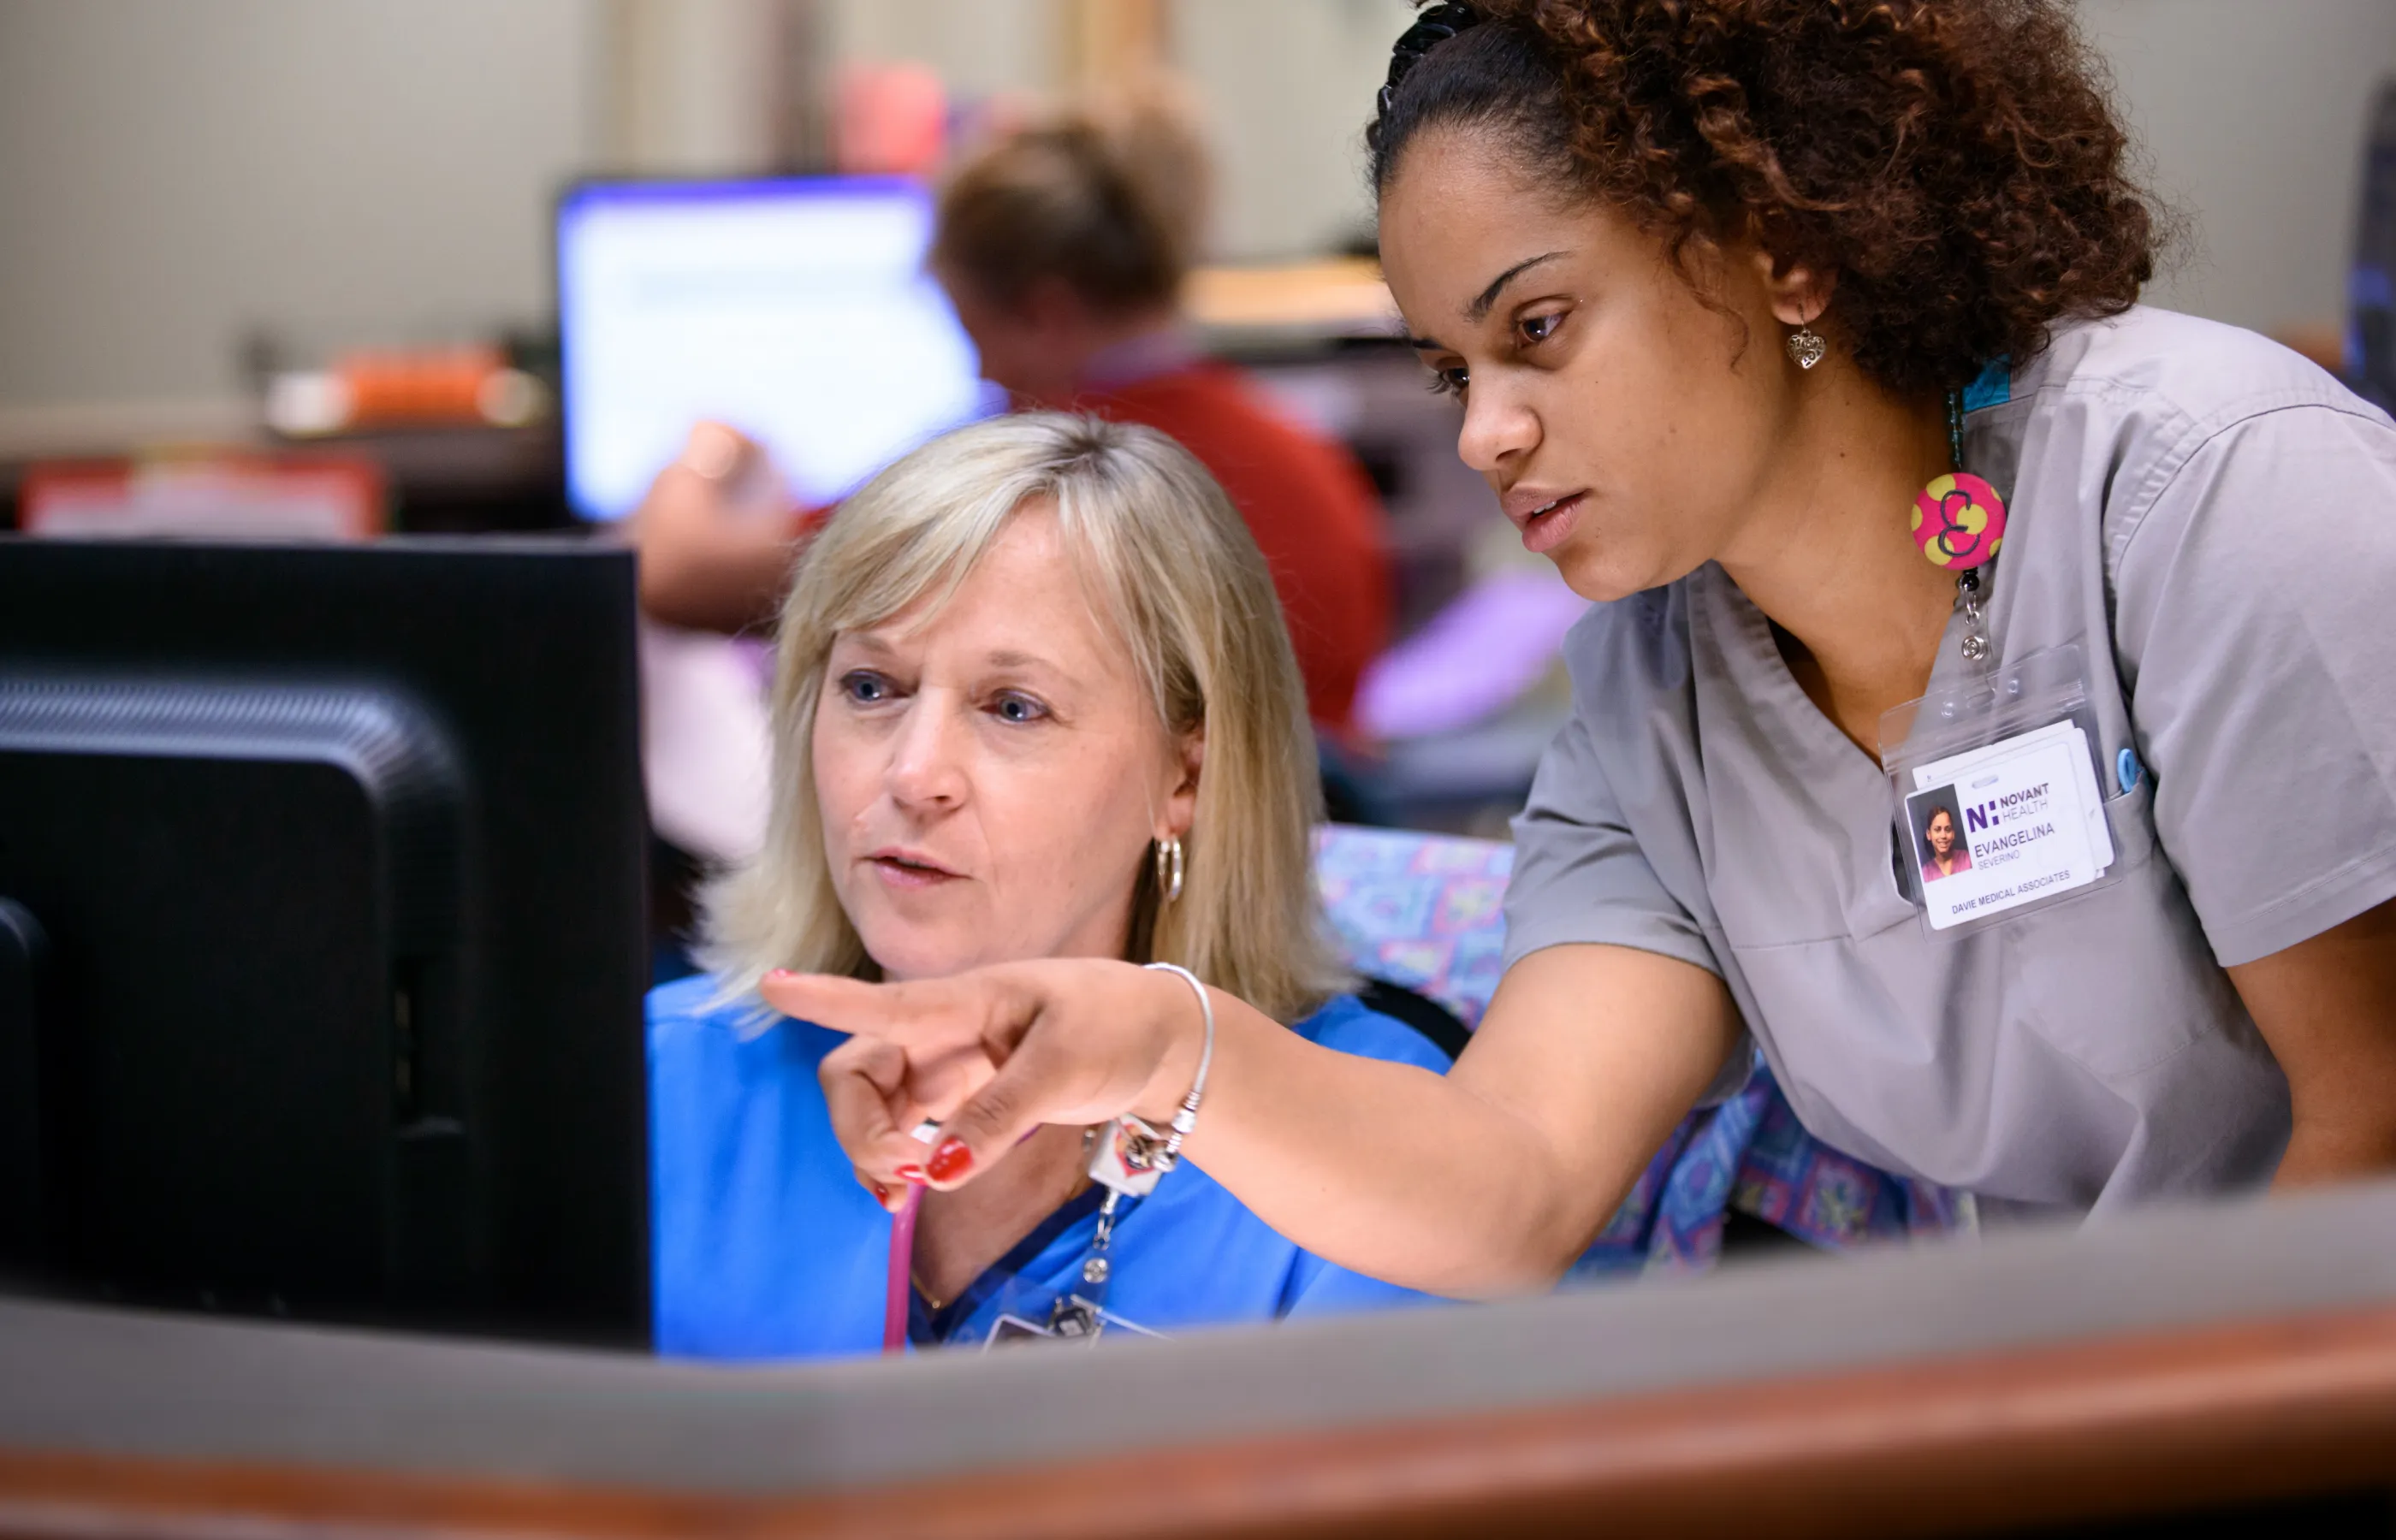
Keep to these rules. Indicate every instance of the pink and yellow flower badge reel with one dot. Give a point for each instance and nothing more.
(1959, 522)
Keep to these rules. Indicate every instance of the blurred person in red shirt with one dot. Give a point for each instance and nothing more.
(1064, 245)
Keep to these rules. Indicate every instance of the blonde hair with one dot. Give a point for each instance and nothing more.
(1172, 570)
(1110, 195)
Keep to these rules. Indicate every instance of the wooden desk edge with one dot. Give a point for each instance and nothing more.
(2111, 1426)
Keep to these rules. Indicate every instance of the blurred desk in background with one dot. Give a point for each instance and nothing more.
(442, 479)
(1324, 336)
(2235, 1365)
(1335, 296)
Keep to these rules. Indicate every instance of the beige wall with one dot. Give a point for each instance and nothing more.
(1289, 85)
(980, 47)
(690, 86)
(2252, 114)
(173, 172)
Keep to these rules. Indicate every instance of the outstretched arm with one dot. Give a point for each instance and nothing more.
(1487, 1181)
(708, 562)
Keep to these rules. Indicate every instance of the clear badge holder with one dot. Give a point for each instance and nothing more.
(1128, 1158)
(1032, 1312)
(1999, 805)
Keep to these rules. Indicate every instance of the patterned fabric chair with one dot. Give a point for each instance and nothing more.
(1427, 912)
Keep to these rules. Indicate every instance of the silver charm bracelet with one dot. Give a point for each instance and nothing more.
(1187, 1119)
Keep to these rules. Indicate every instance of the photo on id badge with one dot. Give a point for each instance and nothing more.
(1938, 842)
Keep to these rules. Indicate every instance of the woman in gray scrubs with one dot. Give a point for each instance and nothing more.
(1740, 298)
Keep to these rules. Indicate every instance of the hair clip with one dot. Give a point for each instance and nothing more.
(1432, 28)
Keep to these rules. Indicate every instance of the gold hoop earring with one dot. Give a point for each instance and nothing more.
(1168, 869)
(1806, 346)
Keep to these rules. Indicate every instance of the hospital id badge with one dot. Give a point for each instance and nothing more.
(2005, 828)
(1999, 806)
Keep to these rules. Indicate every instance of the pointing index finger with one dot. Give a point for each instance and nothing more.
(932, 1015)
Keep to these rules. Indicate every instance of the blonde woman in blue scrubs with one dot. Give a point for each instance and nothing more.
(1752, 307)
(987, 746)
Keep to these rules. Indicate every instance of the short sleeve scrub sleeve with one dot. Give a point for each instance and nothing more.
(2213, 522)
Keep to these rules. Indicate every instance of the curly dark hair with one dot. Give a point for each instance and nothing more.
(1955, 164)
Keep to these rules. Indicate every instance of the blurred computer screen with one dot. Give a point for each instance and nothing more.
(2371, 295)
(796, 310)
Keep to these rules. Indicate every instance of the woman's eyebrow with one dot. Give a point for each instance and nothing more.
(1007, 660)
(1478, 310)
(867, 641)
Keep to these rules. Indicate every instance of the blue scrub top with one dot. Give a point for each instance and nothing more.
(766, 1246)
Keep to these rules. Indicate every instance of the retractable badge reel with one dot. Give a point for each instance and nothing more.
(1995, 774)
(1128, 1157)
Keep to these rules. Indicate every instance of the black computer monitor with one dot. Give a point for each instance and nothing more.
(321, 932)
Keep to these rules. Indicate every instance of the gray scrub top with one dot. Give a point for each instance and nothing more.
(2213, 519)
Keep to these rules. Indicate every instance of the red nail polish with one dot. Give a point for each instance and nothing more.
(912, 1173)
(951, 1161)
(880, 1193)
(780, 976)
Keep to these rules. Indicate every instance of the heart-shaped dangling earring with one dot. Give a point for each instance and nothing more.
(1806, 346)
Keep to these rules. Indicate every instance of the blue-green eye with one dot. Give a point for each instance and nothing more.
(1017, 709)
(864, 687)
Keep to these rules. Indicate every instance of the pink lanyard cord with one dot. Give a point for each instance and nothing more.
(898, 1298)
